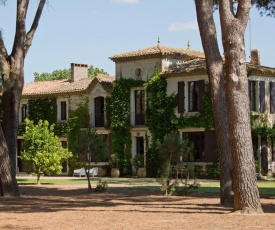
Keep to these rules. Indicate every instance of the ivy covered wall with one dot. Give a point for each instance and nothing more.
(118, 114)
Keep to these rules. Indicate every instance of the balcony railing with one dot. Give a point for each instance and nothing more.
(137, 119)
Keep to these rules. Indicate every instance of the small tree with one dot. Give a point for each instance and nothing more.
(43, 152)
(91, 147)
(172, 148)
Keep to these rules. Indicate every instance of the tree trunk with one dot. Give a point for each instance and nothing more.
(246, 194)
(38, 178)
(214, 65)
(11, 101)
(12, 74)
(8, 186)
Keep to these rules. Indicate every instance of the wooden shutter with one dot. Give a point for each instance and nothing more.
(264, 155)
(262, 96)
(272, 97)
(201, 89)
(181, 97)
(210, 146)
(63, 110)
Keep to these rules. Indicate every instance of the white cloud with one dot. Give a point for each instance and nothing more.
(193, 25)
(127, 1)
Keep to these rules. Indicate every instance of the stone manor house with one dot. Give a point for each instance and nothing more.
(186, 76)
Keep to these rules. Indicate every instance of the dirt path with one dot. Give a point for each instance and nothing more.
(70, 207)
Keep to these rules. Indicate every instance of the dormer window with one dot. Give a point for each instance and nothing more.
(138, 72)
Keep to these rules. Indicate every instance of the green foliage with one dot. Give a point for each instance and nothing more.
(160, 116)
(265, 7)
(42, 109)
(92, 145)
(170, 150)
(101, 186)
(213, 170)
(55, 75)
(173, 147)
(204, 119)
(43, 151)
(168, 184)
(78, 118)
(118, 112)
(138, 161)
(114, 161)
(65, 74)
(160, 119)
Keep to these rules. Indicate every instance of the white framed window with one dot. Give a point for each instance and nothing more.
(62, 109)
(23, 112)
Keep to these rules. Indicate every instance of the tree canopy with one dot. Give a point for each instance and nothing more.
(65, 74)
(266, 7)
(43, 152)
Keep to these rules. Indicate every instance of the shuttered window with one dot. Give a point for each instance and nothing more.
(63, 110)
(201, 88)
(196, 140)
(252, 95)
(262, 96)
(24, 112)
(272, 97)
(193, 96)
(181, 97)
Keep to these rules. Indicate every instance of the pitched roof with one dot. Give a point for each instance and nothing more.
(57, 87)
(198, 67)
(158, 51)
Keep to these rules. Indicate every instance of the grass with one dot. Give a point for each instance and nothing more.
(82, 180)
(265, 187)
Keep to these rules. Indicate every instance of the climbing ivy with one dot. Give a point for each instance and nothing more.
(160, 119)
(118, 114)
(204, 119)
(78, 118)
(42, 109)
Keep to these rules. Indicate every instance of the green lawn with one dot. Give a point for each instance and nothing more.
(83, 180)
(265, 187)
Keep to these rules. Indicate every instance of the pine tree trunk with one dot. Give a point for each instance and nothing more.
(214, 65)
(12, 74)
(8, 185)
(246, 194)
(12, 91)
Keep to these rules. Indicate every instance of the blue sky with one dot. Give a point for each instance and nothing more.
(91, 31)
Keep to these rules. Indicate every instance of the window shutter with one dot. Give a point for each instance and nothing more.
(201, 89)
(264, 155)
(210, 146)
(272, 97)
(181, 97)
(262, 96)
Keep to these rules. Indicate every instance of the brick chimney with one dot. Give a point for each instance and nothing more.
(255, 57)
(78, 71)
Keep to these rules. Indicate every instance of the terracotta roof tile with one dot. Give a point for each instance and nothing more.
(105, 81)
(157, 51)
(56, 87)
(198, 66)
(45, 88)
